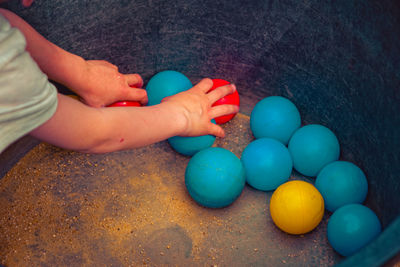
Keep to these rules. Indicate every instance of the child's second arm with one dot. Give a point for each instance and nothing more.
(79, 127)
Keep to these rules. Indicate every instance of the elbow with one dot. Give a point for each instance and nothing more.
(98, 149)
(99, 145)
(94, 150)
(103, 142)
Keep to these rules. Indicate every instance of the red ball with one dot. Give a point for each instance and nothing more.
(125, 104)
(231, 99)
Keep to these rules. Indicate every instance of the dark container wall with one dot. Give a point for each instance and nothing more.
(338, 61)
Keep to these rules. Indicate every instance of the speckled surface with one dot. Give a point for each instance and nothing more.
(338, 61)
(130, 208)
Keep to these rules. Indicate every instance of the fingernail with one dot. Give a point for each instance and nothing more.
(233, 86)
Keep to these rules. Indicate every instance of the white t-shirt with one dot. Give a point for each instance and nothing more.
(27, 98)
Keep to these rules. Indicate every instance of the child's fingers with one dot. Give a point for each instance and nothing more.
(216, 130)
(134, 80)
(222, 110)
(220, 92)
(104, 63)
(204, 85)
(136, 94)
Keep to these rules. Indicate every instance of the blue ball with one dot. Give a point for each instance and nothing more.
(352, 227)
(166, 83)
(312, 147)
(267, 163)
(189, 146)
(341, 183)
(275, 117)
(214, 177)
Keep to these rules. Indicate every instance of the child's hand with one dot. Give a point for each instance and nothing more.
(101, 84)
(196, 107)
(97, 82)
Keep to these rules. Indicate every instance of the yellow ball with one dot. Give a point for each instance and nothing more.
(296, 207)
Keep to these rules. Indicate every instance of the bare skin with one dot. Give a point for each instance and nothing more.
(90, 128)
(97, 82)
(79, 127)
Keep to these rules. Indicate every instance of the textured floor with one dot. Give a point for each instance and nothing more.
(338, 61)
(62, 208)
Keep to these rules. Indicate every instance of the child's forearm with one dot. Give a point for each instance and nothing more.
(52, 60)
(79, 127)
(76, 126)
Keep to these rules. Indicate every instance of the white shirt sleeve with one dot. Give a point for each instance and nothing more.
(27, 98)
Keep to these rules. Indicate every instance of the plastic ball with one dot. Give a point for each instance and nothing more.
(214, 177)
(275, 117)
(189, 146)
(341, 183)
(312, 147)
(296, 207)
(125, 104)
(352, 227)
(267, 163)
(166, 83)
(231, 99)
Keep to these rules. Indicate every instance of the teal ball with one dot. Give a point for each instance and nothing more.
(341, 183)
(275, 117)
(190, 145)
(312, 147)
(166, 83)
(215, 177)
(267, 163)
(352, 227)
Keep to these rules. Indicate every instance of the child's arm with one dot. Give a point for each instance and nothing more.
(98, 82)
(79, 127)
